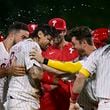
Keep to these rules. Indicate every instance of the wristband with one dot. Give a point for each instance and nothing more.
(74, 96)
(45, 61)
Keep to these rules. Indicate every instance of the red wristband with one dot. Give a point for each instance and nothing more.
(74, 96)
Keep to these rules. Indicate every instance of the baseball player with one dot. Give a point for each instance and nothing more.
(21, 95)
(97, 63)
(64, 51)
(16, 32)
(24, 92)
(85, 48)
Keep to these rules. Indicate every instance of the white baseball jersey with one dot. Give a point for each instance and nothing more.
(99, 62)
(20, 87)
(90, 86)
(4, 56)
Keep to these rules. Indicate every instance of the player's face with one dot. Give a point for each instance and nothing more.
(78, 45)
(22, 34)
(44, 40)
(62, 33)
(57, 40)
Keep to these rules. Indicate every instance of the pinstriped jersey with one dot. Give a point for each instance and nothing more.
(90, 87)
(4, 58)
(19, 87)
(98, 62)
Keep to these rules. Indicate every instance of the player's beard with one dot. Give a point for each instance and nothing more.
(82, 52)
(14, 42)
(57, 40)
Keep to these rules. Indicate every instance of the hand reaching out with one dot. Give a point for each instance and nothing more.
(34, 54)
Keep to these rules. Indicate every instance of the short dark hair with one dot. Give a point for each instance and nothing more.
(46, 29)
(16, 26)
(82, 33)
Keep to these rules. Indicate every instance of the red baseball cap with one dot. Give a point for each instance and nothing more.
(58, 23)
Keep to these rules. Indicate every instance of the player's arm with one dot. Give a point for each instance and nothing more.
(35, 72)
(63, 66)
(52, 70)
(79, 84)
(17, 70)
(35, 75)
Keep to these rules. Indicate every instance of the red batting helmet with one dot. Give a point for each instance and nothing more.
(58, 23)
(100, 36)
(32, 27)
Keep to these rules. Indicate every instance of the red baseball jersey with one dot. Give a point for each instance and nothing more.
(67, 53)
(59, 98)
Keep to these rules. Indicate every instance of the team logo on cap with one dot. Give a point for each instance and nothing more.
(54, 23)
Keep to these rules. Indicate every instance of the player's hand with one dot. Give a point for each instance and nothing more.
(74, 106)
(34, 54)
(16, 70)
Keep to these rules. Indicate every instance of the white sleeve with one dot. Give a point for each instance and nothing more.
(28, 62)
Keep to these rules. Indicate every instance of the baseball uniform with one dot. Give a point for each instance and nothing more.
(98, 62)
(58, 99)
(21, 95)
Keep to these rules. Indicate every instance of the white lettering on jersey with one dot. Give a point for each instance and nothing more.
(71, 50)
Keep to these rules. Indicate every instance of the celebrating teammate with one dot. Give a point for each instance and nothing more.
(24, 91)
(16, 32)
(81, 38)
(96, 64)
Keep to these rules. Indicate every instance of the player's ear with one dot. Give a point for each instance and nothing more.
(84, 42)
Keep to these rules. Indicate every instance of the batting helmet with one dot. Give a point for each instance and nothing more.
(58, 23)
(32, 27)
(100, 36)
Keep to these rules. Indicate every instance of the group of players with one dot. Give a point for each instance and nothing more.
(40, 70)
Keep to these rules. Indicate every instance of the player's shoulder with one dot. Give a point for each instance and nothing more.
(69, 44)
(29, 44)
(20, 45)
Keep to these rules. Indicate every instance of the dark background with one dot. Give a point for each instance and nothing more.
(93, 13)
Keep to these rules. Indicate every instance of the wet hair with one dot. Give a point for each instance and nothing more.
(46, 29)
(16, 26)
(81, 33)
